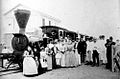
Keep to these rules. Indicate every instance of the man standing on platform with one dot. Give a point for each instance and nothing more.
(108, 45)
(95, 54)
(82, 46)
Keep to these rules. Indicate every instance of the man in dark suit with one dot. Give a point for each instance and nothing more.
(108, 45)
(82, 46)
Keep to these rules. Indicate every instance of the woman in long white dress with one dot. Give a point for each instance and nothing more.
(62, 49)
(67, 57)
(72, 55)
(49, 57)
(70, 58)
(29, 64)
(58, 57)
(89, 52)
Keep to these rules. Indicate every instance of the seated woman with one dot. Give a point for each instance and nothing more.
(29, 64)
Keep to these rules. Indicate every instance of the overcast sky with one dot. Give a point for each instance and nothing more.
(91, 17)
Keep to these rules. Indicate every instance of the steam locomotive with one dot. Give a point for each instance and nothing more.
(19, 41)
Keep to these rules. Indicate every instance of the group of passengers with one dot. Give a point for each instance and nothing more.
(62, 53)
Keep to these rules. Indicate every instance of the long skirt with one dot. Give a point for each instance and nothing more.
(58, 58)
(88, 56)
(29, 66)
(49, 62)
(72, 59)
(102, 56)
(58, 61)
(67, 57)
(53, 62)
(63, 60)
(77, 58)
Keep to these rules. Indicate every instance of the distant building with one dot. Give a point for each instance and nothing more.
(36, 19)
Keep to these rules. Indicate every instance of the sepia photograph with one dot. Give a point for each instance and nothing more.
(59, 39)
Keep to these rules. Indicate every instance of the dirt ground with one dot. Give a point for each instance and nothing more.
(81, 72)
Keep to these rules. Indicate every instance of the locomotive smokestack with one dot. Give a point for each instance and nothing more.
(22, 17)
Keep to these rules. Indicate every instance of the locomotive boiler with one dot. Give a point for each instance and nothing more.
(20, 40)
